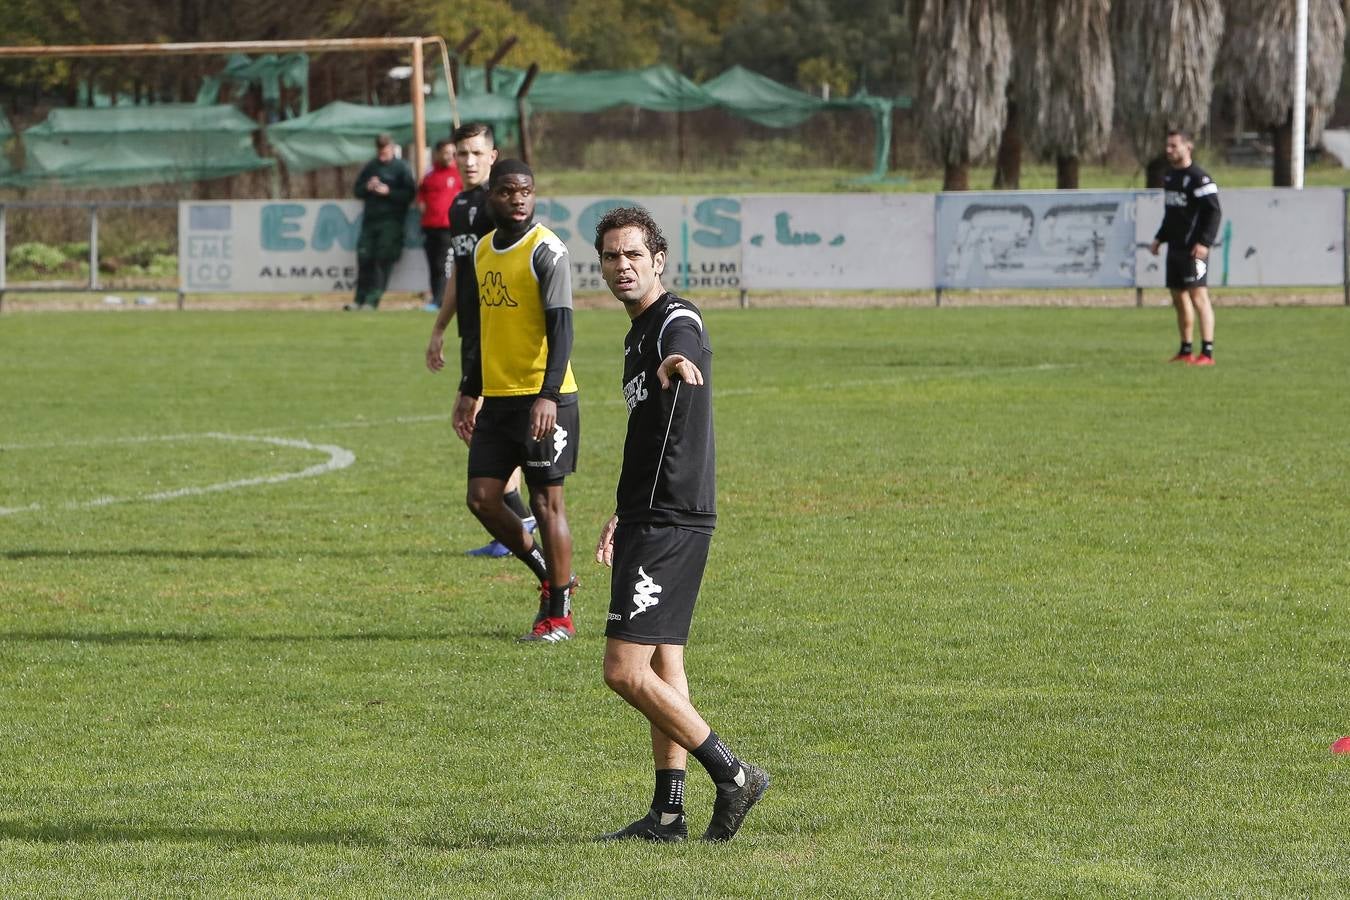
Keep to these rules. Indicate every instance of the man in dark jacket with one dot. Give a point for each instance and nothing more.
(387, 186)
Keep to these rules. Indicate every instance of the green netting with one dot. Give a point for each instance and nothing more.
(6, 133)
(122, 146)
(269, 71)
(762, 99)
(126, 145)
(658, 88)
(344, 133)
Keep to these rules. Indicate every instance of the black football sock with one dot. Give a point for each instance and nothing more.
(560, 600)
(720, 762)
(1186, 348)
(1207, 349)
(668, 800)
(516, 505)
(534, 558)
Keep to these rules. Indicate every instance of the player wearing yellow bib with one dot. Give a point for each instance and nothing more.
(521, 368)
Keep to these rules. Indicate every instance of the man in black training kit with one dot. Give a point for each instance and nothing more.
(657, 541)
(522, 369)
(475, 152)
(1189, 227)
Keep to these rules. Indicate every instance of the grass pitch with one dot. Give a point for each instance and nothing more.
(1005, 604)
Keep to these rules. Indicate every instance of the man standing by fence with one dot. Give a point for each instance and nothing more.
(1189, 227)
(434, 196)
(387, 186)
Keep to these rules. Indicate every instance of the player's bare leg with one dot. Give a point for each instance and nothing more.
(487, 501)
(550, 510)
(495, 549)
(1181, 303)
(1204, 311)
(553, 622)
(630, 673)
(668, 664)
(665, 821)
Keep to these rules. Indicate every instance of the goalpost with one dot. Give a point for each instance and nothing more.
(414, 45)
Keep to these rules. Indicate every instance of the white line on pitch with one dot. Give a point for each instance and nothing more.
(338, 458)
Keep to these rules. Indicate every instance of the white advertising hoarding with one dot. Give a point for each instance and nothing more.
(822, 241)
(1036, 239)
(293, 246)
(845, 241)
(1268, 236)
(259, 246)
(703, 234)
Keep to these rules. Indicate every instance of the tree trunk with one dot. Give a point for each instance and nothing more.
(956, 177)
(1008, 166)
(1066, 173)
(1282, 136)
(1155, 171)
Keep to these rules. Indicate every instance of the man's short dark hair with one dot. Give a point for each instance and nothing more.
(636, 217)
(1183, 133)
(383, 139)
(473, 129)
(506, 167)
(443, 142)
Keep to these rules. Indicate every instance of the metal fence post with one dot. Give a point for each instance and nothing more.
(93, 247)
(4, 260)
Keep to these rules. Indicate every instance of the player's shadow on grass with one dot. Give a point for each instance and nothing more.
(107, 833)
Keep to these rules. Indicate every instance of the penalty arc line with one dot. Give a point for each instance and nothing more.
(338, 458)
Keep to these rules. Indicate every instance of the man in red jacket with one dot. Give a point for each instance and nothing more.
(434, 196)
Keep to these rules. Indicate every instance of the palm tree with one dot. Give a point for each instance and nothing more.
(1008, 160)
(1164, 55)
(1257, 68)
(963, 54)
(1067, 90)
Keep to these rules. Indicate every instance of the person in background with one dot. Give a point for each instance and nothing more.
(528, 417)
(1189, 228)
(475, 152)
(386, 185)
(434, 196)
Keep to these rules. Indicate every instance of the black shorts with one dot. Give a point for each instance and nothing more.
(1185, 271)
(657, 573)
(501, 442)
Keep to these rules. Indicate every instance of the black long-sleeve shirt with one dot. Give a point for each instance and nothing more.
(1191, 214)
(669, 460)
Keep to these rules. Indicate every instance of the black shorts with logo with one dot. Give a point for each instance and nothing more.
(657, 573)
(1185, 271)
(501, 442)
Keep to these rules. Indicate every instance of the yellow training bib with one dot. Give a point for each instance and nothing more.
(511, 325)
